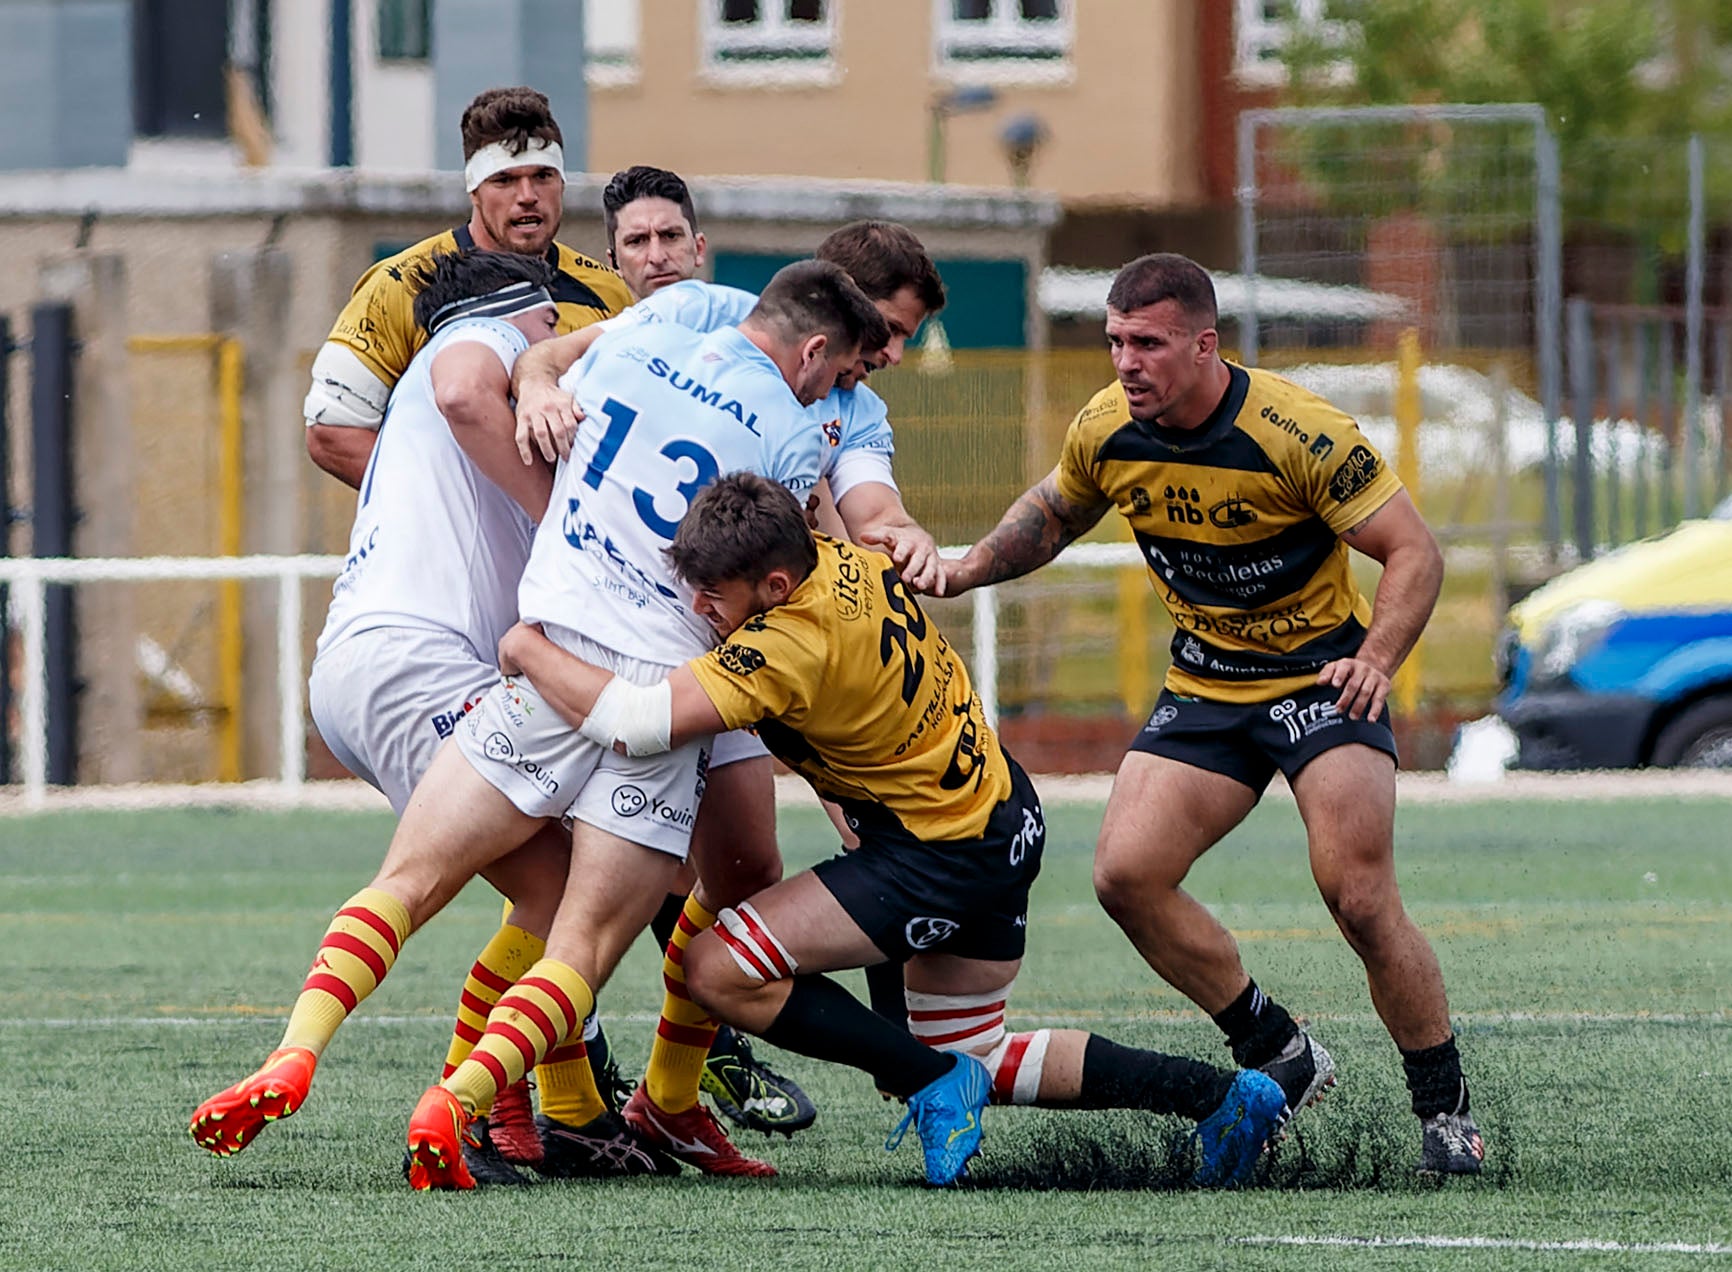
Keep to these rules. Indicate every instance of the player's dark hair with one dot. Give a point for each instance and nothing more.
(644, 182)
(742, 526)
(1149, 280)
(510, 116)
(883, 257)
(818, 298)
(450, 276)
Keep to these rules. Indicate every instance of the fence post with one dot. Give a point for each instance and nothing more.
(110, 733)
(986, 651)
(1693, 336)
(6, 351)
(52, 515)
(1578, 318)
(1407, 411)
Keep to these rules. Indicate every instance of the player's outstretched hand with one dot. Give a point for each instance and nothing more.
(1364, 687)
(915, 554)
(547, 420)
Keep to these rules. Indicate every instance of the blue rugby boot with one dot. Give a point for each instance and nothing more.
(946, 1114)
(1233, 1135)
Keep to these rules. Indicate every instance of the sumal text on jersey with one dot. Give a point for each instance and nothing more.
(709, 397)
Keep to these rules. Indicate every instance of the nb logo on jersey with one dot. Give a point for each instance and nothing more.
(1184, 505)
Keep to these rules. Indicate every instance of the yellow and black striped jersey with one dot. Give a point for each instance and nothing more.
(379, 324)
(1240, 522)
(849, 684)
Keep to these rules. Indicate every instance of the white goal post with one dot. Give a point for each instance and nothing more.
(29, 578)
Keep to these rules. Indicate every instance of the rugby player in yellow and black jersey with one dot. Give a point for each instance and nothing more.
(1244, 493)
(513, 169)
(828, 656)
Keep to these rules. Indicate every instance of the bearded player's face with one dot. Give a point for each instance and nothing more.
(518, 209)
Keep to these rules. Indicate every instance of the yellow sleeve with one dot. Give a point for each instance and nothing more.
(1082, 442)
(378, 323)
(1350, 481)
(773, 666)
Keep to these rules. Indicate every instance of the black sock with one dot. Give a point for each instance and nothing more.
(889, 998)
(1116, 1077)
(1434, 1079)
(824, 1021)
(667, 918)
(1257, 1027)
(599, 1051)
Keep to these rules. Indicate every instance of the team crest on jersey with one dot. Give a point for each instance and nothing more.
(833, 432)
(1231, 513)
(1357, 471)
(1140, 501)
(925, 932)
(742, 660)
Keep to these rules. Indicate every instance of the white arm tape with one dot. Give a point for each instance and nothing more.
(345, 391)
(641, 716)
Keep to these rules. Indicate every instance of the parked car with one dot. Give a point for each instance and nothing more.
(1627, 660)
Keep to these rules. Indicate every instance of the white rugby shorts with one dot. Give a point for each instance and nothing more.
(736, 745)
(386, 697)
(546, 768)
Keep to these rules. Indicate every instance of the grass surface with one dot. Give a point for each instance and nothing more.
(1588, 952)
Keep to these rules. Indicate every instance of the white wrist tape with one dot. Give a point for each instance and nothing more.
(641, 716)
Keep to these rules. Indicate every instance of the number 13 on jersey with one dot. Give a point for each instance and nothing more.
(678, 453)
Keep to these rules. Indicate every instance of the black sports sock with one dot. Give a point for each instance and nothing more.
(667, 919)
(1118, 1077)
(1434, 1079)
(1257, 1027)
(599, 1051)
(889, 998)
(824, 1021)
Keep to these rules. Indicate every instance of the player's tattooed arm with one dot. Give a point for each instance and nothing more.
(1040, 525)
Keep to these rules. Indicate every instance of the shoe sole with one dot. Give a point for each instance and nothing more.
(242, 1113)
(434, 1164)
(1322, 1083)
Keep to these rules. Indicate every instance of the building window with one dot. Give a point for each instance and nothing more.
(405, 30)
(610, 42)
(1000, 41)
(769, 41)
(1262, 30)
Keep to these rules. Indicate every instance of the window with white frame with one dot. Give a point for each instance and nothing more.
(760, 35)
(1262, 30)
(610, 41)
(1005, 35)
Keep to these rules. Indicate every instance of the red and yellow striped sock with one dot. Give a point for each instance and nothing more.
(545, 1006)
(358, 949)
(685, 1031)
(509, 954)
(566, 1083)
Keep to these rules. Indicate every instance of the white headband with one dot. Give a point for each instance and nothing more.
(494, 157)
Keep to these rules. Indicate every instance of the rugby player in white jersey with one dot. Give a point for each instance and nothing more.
(655, 245)
(441, 534)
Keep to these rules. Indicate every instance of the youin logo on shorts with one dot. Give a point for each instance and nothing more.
(498, 747)
(629, 801)
(925, 932)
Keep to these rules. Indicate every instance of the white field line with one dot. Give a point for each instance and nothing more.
(791, 792)
(236, 1015)
(1583, 1246)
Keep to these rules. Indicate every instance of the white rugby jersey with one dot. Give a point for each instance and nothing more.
(435, 544)
(858, 445)
(667, 410)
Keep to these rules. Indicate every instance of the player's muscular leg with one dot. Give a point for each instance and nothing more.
(456, 824)
(1347, 799)
(1161, 816)
(734, 841)
(808, 922)
(533, 878)
(611, 893)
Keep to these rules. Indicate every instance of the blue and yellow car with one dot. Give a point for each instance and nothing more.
(1627, 660)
